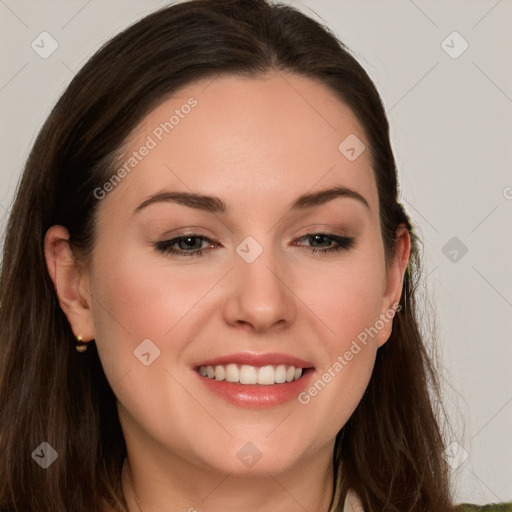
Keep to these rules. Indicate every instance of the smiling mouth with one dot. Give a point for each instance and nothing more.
(251, 375)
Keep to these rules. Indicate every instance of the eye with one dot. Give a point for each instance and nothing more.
(343, 243)
(184, 243)
(191, 245)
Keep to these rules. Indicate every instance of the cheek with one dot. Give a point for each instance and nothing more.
(348, 298)
(136, 299)
(144, 297)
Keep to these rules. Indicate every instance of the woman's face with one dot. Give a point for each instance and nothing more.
(257, 300)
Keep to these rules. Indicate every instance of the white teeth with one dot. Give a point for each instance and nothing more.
(266, 375)
(280, 375)
(246, 374)
(220, 373)
(232, 373)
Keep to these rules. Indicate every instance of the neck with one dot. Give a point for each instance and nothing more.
(194, 489)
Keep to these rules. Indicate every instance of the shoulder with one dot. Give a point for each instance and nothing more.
(353, 504)
(492, 507)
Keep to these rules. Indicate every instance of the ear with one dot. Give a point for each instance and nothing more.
(71, 282)
(395, 274)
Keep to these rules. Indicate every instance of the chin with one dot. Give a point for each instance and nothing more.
(255, 457)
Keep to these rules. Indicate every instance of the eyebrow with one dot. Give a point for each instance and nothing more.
(213, 204)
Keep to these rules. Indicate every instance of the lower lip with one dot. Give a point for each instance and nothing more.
(258, 396)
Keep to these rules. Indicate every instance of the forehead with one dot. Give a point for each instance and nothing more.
(247, 140)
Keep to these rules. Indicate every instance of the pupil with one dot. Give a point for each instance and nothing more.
(318, 238)
(188, 241)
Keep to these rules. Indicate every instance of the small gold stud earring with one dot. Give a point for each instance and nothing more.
(81, 346)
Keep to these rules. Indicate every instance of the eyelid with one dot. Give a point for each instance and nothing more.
(327, 229)
(187, 231)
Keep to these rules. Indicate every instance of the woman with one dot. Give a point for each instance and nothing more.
(166, 226)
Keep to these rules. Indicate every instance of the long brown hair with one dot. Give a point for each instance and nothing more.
(391, 446)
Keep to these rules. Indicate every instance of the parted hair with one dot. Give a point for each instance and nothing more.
(391, 446)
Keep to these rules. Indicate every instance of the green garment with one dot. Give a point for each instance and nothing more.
(493, 507)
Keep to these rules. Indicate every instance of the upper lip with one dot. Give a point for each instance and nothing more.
(253, 359)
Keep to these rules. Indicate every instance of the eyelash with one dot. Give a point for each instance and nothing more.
(344, 243)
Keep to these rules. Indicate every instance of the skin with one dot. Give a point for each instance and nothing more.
(258, 144)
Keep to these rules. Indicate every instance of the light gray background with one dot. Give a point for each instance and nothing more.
(451, 129)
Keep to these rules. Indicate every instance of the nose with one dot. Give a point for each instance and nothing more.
(260, 298)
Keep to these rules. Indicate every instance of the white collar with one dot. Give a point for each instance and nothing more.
(352, 502)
